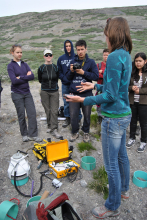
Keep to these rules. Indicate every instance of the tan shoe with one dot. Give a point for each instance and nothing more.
(86, 137)
(56, 134)
(74, 137)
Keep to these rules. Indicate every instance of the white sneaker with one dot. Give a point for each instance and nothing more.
(48, 130)
(130, 143)
(24, 138)
(142, 147)
(37, 139)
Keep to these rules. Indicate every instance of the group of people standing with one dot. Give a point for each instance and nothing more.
(112, 96)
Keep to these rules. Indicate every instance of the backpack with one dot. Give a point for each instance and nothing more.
(61, 111)
(55, 207)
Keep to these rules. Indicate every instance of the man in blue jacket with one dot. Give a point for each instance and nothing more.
(63, 63)
(87, 72)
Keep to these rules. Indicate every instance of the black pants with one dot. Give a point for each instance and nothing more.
(141, 111)
(74, 108)
(24, 102)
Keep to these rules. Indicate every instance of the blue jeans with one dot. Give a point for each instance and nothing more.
(115, 158)
(65, 90)
(74, 120)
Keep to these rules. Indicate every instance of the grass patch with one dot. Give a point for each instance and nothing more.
(97, 136)
(85, 146)
(99, 184)
(94, 120)
(93, 109)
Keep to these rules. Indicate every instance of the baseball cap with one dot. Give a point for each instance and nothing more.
(47, 51)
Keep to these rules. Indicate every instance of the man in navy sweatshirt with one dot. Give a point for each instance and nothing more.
(87, 72)
(63, 63)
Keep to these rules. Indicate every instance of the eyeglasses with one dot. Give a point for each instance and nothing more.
(48, 54)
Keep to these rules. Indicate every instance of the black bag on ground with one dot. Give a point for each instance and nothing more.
(61, 111)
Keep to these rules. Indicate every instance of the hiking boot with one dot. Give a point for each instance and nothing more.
(125, 194)
(74, 137)
(99, 120)
(86, 137)
(56, 134)
(37, 139)
(25, 138)
(142, 147)
(66, 123)
(130, 143)
(102, 212)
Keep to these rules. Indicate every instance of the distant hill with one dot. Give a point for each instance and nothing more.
(37, 31)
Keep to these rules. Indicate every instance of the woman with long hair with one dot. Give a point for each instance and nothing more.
(138, 100)
(20, 74)
(116, 113)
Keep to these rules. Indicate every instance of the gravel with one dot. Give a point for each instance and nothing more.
(82, 198)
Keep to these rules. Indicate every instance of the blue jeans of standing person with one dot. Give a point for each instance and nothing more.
(65, 90)
(115, 158)
(74, 120)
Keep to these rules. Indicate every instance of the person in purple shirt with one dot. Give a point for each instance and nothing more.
(20, 73)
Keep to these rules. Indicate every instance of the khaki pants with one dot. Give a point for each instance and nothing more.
(50, 102)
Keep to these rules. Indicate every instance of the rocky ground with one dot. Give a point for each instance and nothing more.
(84, 199)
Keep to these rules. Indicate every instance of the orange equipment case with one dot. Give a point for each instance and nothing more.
(57, 155)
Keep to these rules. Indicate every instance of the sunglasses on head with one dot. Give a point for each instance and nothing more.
(109, 19)
(48, 54)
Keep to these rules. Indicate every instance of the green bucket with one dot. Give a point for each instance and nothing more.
(20, 182)
(35, 198)
(140, 182)
(88, 163)
(7, 209)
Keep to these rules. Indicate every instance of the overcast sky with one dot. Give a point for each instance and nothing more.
(10, 7)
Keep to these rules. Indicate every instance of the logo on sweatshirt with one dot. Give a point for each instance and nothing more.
(65, 62)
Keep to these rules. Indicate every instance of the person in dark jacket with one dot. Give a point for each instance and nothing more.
(87, 72)
(138, 100)
(48, 76)
(63, 63)
(20, 74)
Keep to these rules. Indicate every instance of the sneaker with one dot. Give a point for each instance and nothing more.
(25, 138)
(56, 134)
(37, 139)
(125, 194)
(66, 123)
(142, 147)
(102, 212)
(48, 130)
(130, 143)
(86, 137)
(74, 137)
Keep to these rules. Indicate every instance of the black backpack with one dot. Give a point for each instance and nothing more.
(61, 111)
